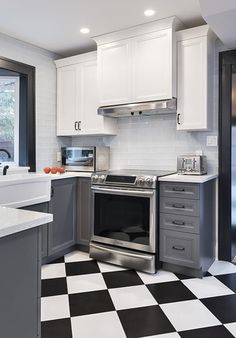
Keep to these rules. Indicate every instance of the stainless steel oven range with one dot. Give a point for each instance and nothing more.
(125, 222)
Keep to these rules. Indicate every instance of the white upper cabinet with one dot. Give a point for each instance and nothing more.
(153, 73)
(138, 64)
(195, 60)
(114, 69)
(77, 98)
(67, 103)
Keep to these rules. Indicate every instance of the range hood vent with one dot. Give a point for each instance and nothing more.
(140, 108)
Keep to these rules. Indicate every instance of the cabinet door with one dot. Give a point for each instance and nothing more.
(84, 211)
(67, 100)
(114, 73)
(192, 84)
(91, 122)
(152, 66)
(62, 231)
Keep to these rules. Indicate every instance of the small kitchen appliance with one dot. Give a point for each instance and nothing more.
(192, 165)
(85, 158)
(125, 218)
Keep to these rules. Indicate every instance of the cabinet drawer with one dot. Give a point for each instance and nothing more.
(179, 248)
(179, 206)
(182, 190)
(179, 223)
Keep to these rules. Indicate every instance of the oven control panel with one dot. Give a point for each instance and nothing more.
(141, 181)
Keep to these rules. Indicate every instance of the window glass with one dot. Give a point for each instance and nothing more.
(9, 119)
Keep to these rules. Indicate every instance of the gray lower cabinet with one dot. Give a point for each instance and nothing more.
(20, 284)
(41, 207)
(62, 231)
(84, 211)
(187, 227)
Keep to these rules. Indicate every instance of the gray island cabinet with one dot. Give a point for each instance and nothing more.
(20, 279)
(187, 226)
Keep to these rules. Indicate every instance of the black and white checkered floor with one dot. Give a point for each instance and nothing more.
(82, 298)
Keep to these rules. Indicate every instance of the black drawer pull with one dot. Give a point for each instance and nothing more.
(179, 248)
(178, 223)
(178, 189)
(178, 206)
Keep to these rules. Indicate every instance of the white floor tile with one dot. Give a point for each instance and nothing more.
(53, 271)
(207, 287)
(132, 296)
(55, 307)
(85, 283)
(105, 267)
(160, 277)
(222, 267)
(232, 328)
(165, 335)
(190, 314)
(100, 325)
(77, 256)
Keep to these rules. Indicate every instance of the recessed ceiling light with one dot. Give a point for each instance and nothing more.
(84, 30)
(149, 12)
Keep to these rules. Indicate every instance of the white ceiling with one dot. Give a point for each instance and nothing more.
(55, 24)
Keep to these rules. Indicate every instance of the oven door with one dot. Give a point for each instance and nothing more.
(124, 217)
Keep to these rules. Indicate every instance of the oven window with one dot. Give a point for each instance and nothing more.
(124, 218)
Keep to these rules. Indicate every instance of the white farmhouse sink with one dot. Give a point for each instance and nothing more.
(21, 190)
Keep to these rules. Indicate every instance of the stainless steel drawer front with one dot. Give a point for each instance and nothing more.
(181, 190)
(179, 206)
(179, 248)
(180, 223)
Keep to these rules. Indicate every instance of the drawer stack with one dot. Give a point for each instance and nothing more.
(186, 225)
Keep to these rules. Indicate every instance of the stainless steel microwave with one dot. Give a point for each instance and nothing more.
(85, 158)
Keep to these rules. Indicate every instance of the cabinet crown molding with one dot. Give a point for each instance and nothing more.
(172, 22)
(74, 60)
(195, 32)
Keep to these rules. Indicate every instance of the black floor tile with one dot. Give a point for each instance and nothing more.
(144, 321)
(170, 292)
(90, 302)
(223, 307)
(229, 280)
(207, 332)
(81, 268)
(120, 279)
(53, 287)
(58, 260)
(60, 328)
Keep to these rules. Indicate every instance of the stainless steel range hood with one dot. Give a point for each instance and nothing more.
(140, 108)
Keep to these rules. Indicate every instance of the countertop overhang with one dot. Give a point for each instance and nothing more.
(16, 220)
(188, 178)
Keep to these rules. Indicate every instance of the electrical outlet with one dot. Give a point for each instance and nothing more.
(199, 152)
(58, 156)
(212, 141)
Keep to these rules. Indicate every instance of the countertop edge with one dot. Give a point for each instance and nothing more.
(188, 178)
(20, 220)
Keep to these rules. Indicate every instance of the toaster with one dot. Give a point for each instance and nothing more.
(192, 165)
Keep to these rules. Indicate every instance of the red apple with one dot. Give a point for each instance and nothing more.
(47, 170)
(54, 170)
(61, 170)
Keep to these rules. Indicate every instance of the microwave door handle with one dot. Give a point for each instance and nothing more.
(123, 191)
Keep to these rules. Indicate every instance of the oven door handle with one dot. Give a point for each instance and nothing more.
(147, 257)
(129, 192)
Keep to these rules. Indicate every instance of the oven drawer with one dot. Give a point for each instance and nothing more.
(179, 248)
(179, 206)
(182, 190)
(180, 223)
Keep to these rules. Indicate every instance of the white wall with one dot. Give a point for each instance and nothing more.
(46, 141)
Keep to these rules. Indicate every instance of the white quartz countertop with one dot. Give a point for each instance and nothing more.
(188, 178)
(69, 174)
(16, 220)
